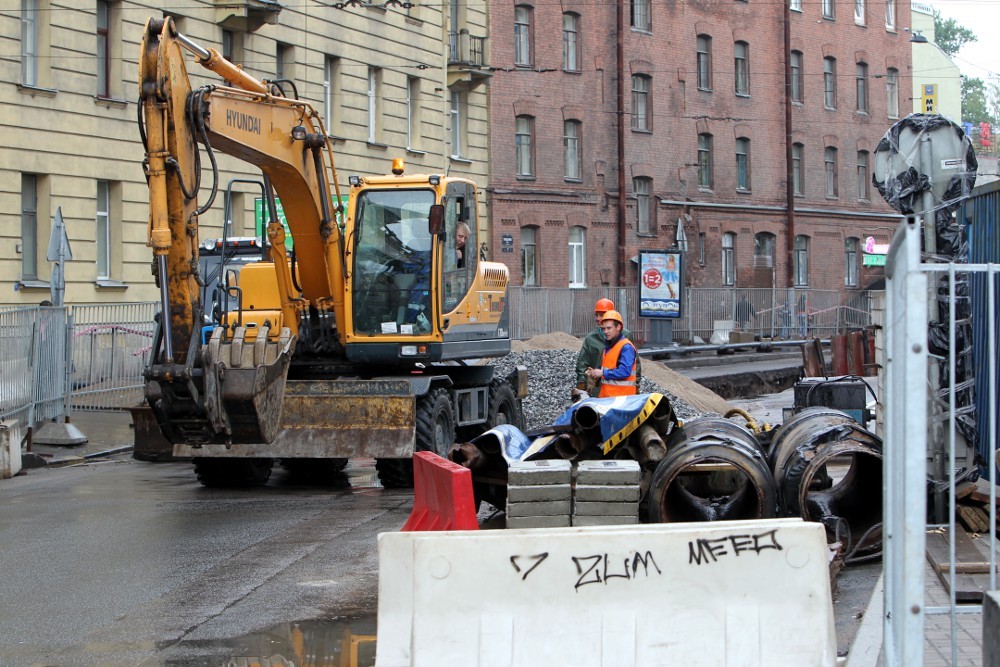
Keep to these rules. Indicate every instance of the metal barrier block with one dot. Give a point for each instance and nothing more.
(543, 492)
(614, 472)
(561, 521)
(533, 473)
(605, 509)
(606, 493)
(546, 508)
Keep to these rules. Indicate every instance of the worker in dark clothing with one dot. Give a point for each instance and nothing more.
(593, 348)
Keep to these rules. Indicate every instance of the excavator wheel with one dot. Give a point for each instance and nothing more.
(319, 472)
(435, 433)
(227, 472)
(504, 406)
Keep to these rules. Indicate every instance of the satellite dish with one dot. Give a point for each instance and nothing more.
(924, 154)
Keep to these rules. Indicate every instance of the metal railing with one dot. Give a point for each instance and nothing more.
(765, 312)
(111, 346)
(466, 49)
(927, 419)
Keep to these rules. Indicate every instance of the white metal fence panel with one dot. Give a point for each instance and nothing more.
(925, 406)
(17, 372)
(111, 345)
(905, 443)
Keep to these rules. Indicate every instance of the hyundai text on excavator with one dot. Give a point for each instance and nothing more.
(357, 341)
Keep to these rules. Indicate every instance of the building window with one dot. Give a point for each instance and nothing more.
(641, 187)
(705, 160)
(529, 257)
(830, 168)
(641, 15)
(859, 12)
(642, 112)
(29, 42)
(571, 42)
(704, 62)
(331, 84)
(413, 112)
(577, 258)
(828, 9)
(284, 63)
(728, 259)
(892, 92)
(103, 51)
(795, 5)
(29, 227)
(523, 147)
(796, 63)
(798, 179)
(571, 149)
(522, 36)
(763, 250)
(701, 248)
(374, 74)
(800, 259)
(863, 182)
(890, 14)
(742, 64)
(851, 262)
(232, 47)
(103, 231)
(743, 164)
(862, 87)
(830, 82)
(457, 123)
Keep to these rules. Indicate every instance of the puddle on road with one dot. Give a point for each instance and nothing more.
(343, 642)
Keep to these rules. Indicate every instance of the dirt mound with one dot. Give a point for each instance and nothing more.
(699, 397)
(557, 340)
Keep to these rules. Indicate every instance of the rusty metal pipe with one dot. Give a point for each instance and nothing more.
(650, 443)
(714, 469)
(829, 469)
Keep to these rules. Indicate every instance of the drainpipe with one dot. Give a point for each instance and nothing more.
(789, 164)
(620, 66)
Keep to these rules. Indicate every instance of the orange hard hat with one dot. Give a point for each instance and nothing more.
(604, 305)
(613, 315)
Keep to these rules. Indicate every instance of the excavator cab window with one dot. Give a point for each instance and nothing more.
(461, 243)
(392, 262)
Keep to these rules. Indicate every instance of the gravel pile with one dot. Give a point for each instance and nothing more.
(551, 378)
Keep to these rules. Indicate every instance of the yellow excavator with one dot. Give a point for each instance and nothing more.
(356, 339)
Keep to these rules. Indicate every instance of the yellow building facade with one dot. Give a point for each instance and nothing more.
(937, 80)
(389, 80)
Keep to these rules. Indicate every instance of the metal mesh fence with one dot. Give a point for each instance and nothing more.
(17, 376)
(765, 312)
(111, 345)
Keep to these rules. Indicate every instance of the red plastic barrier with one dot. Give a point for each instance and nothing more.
(442, 495)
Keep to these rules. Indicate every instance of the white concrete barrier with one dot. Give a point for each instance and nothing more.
(725, 594)
(10, 449)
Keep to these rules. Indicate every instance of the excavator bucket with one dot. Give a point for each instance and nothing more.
(245, 384)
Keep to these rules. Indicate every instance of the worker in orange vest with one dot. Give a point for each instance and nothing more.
(617, 371)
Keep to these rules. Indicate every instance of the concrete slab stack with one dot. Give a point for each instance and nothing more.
(539, 494)
(606, 493)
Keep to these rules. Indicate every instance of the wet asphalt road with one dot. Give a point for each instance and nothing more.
(122, 562)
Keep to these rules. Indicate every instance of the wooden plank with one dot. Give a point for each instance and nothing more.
(974, 519)
(968, 587)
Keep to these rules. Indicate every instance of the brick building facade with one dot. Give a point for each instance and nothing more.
(705, 140)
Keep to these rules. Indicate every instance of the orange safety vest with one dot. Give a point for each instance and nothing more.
(609, 361)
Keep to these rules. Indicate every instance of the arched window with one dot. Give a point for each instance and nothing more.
(729, 259)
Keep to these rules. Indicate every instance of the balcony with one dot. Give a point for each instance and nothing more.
(467, 66)
(246, 15)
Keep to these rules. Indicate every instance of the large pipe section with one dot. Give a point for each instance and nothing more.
(714, 470)
(828, 468)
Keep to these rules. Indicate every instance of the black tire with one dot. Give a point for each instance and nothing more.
(505, 408)
(435, 432)
(232, 473)
(322, 472)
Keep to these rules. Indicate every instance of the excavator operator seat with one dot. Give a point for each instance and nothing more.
(261, 303)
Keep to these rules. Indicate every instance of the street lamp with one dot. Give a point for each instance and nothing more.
(917, 38)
